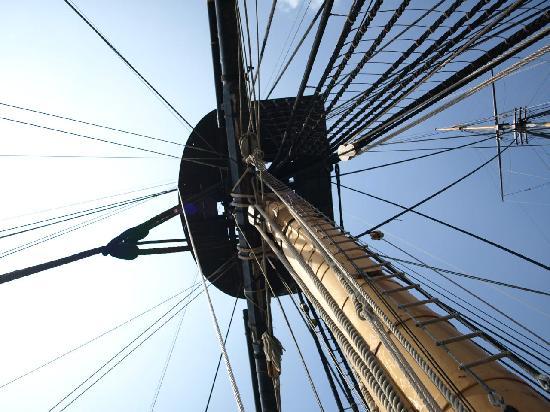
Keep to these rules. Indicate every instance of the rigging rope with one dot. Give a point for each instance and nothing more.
(430, 149)
(408, 209)
(232, 380)
(120, 247)
(173, 110)
(279, 63)
(327, 8)
(20, 155)
(194, 288)
(449, 149)
(417, 43)
(82, 345)
(115, 248)
(465, 275)
(220, 357)
(86, 201)
(369, 53)
(191, 299)
(90, 123)
(324, 362)
(266, 36)
(363, 142)
(524, 347)
(167, 362)
(360, 32)
(363, 360)
(299, 351)
(373, 53)
(75, 215)
(419, 352)
(296, 49)
(526, 366)
(343, 382)
(527, 189)
(346, 386)
(346, 29)
(69, 229)
(490, 334)
(433, 219)
(413, 70)
(339, 192)
(329, 371)
(508, 48)
(98, 139)
(475, 296)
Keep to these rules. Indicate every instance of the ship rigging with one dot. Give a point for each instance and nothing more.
(261, 177)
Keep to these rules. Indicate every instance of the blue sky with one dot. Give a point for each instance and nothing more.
(52, 62)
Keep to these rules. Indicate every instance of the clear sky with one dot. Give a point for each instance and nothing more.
(53, 62)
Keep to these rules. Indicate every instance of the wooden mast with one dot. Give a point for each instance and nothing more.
(405, 354)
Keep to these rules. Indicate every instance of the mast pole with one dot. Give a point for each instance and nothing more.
(253, 372)
(230, 82)
(403, 344)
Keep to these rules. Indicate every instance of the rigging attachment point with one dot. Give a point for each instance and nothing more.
(544, 381)
(376, 235)
(346, 152)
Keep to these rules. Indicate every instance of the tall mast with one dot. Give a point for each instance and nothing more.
(405, 347)
(232, 111)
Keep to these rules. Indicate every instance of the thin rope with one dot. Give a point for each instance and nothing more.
(23, 228)
(221, 342)
(167, 362)
(468, 291)
(173, 110)
(296, 49)
(82, 345)
(521, 256)
(521, 345)
(465, 275)
(23, 155)
(125, 347)
(439, 221)
(220, 357)
(410, 159)
(88, 137)
(515, 68)
(69, 229)
(342, 381)
(85, 201)
(114, 129)
(191, 299)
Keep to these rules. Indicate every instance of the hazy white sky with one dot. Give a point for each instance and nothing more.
(52, 62)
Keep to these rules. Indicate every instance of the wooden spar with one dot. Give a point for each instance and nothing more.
(495, 387)
(498, 127)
